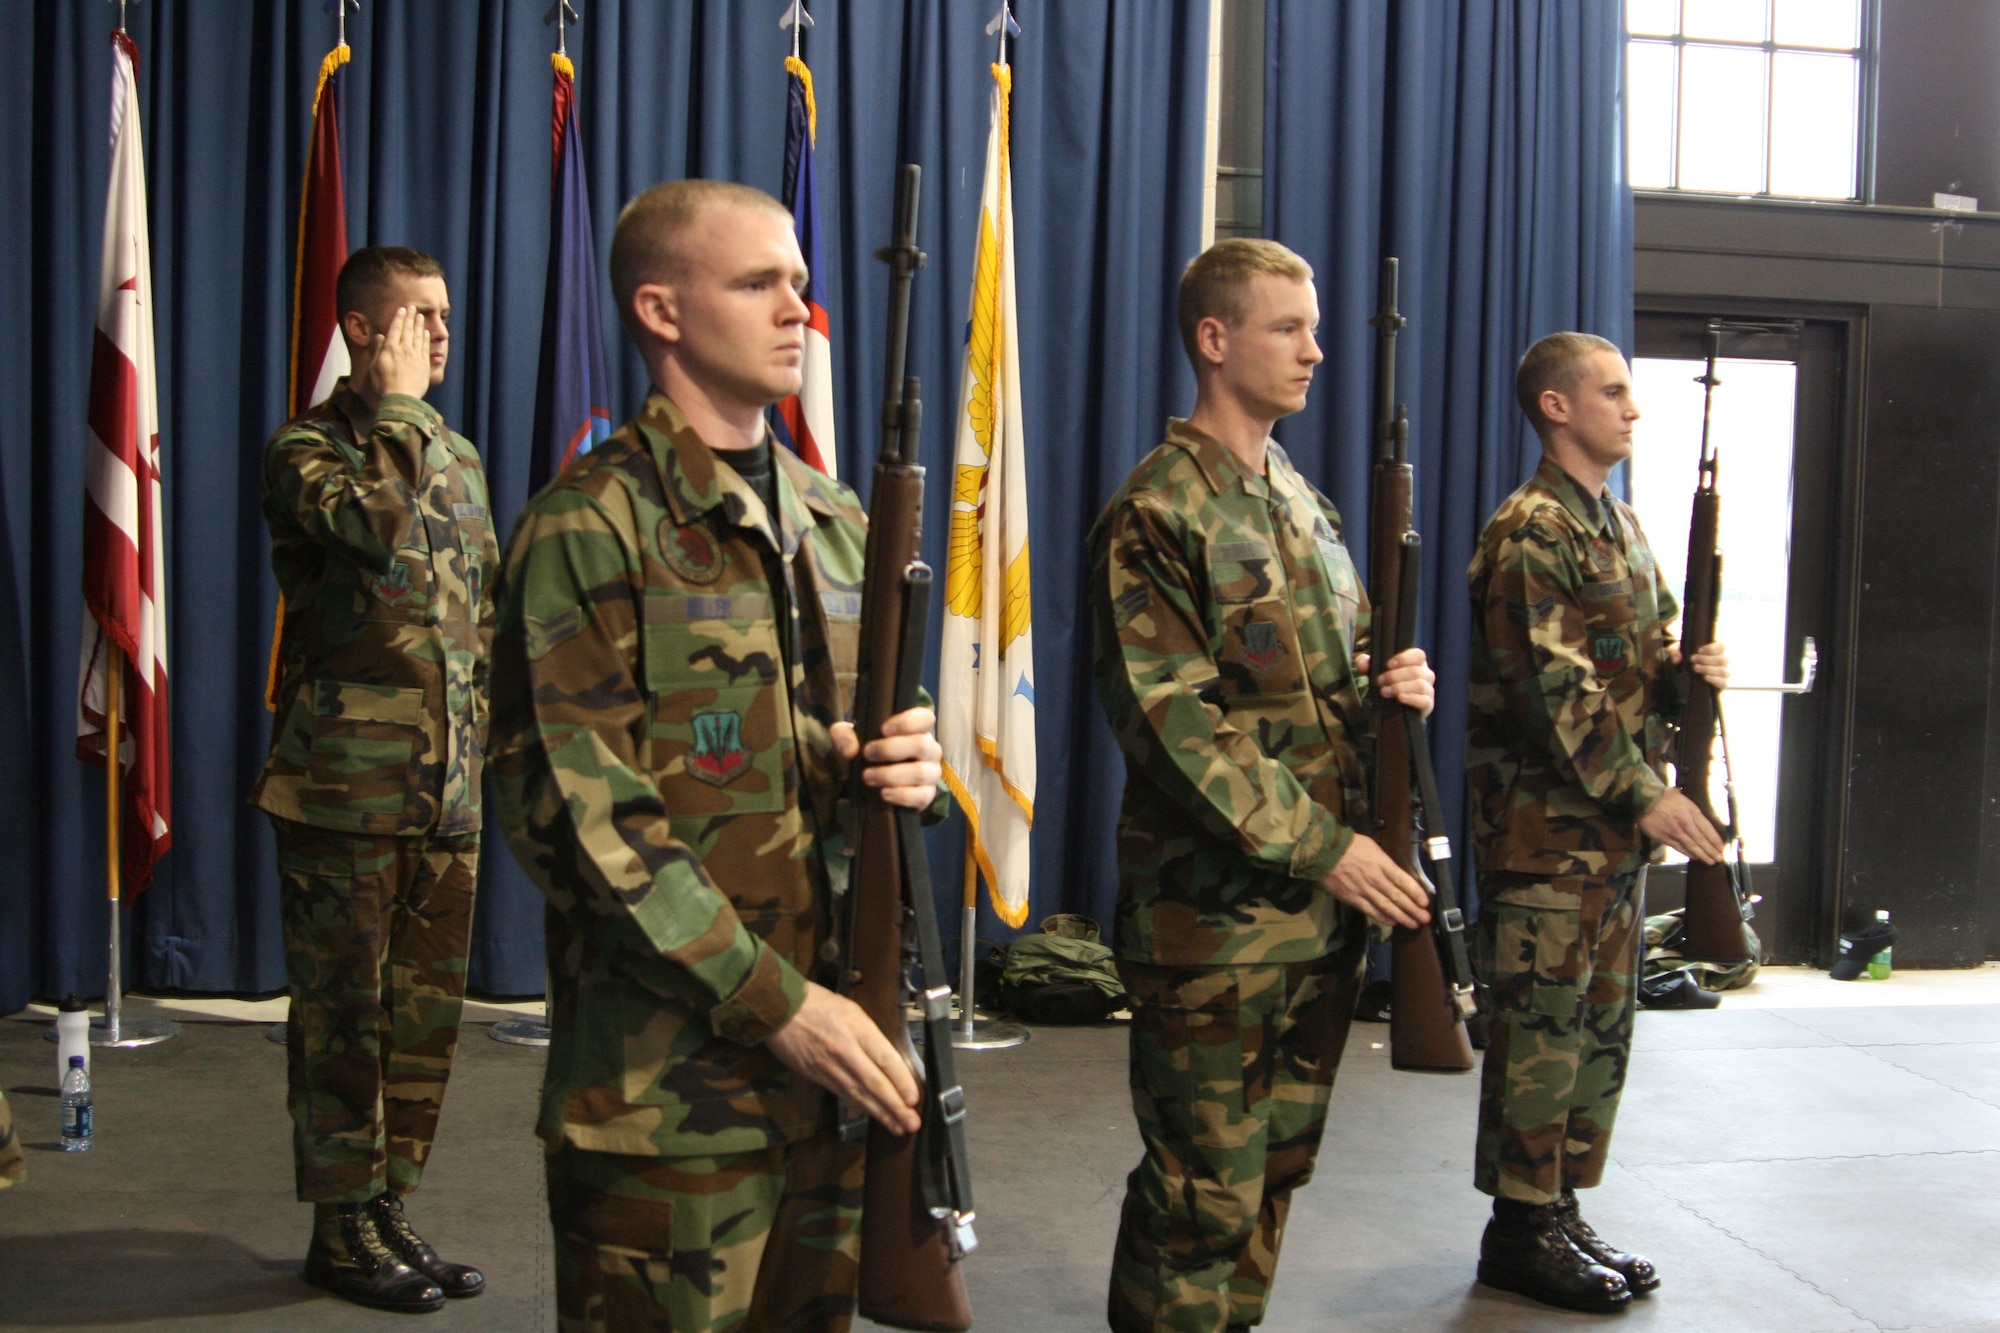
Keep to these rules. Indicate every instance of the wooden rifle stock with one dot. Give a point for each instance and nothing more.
(1427, 1012)
(1717, 895)
(910, 1244)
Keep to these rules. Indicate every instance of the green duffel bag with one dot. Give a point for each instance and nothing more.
(1063, 975)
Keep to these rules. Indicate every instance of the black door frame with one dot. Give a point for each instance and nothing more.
(1800, 923)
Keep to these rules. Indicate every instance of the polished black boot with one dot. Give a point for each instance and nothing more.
(455, 1280)
(1527, 1251)
(1638, 1271)
(349, 1259)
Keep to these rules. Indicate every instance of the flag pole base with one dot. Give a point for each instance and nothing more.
(987, 1034)
(131, 1032)
(521, 1032)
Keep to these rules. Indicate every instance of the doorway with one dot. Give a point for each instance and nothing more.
(1775, 420)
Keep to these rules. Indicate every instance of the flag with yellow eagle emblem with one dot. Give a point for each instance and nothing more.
(986, 685)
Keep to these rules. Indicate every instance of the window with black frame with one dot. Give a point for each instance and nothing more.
(1747, 97)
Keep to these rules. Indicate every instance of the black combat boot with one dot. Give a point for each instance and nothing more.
(1526, 1251)
(1639, 1273)
(350, 1260)
(456, 1280)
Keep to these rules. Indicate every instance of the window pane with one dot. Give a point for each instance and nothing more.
(1655, 18)
(1722, 119)
(1813, 114)
(1649, 113)
(1730, 20)
(1752, 429)
(1819, 23)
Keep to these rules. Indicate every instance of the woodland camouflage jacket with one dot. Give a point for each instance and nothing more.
(1573, 694)
(1227, 615)
(383, 543)
(666, 775)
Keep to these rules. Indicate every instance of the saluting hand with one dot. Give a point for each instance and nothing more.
(906, 762)
(399, 360)
(1367, 879)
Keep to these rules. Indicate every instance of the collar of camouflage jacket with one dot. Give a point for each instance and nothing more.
(1222, 468)
(695, 484)
(1593, 512)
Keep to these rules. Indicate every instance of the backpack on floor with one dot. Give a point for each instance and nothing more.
(1063, 975)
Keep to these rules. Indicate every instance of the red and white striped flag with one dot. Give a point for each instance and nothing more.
(124, 583)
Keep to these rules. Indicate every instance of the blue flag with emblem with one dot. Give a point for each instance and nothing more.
(572, 404)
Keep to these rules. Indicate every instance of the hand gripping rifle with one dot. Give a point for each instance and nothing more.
(1718, 896)
(1431, 976)
(916, 1219)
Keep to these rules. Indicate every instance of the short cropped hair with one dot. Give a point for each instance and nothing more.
(1554, 363)
(1216, 283)
(372, 268)
(646, 246)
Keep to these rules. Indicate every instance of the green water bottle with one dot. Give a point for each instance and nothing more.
(1878, 966)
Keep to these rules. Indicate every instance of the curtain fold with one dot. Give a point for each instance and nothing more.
(447, 150)
(1482, 142)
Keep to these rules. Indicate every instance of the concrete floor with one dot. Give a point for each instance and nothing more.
(1811, 1157)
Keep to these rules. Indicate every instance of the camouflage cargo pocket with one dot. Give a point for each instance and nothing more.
(363, 737)
(843, 642)
(712, 667)
(1531, 950)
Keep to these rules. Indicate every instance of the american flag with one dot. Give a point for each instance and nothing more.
(124, 584)
(805, 420)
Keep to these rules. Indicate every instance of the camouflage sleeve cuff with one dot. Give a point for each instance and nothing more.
(1646, 791)
(410, 411)
(1319, 850)
(765, 1001)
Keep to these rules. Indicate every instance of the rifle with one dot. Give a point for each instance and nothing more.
(1430, 975)
(1718, 896)
(916, 1219)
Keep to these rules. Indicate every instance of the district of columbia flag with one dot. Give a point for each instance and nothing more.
(319, 353)
(986, 674)
(805, 420)
(124, 568)
(572, 402)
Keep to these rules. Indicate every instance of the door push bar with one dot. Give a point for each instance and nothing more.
(1808, 672)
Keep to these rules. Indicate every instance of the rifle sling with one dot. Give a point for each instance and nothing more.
(944, 1165)
(1447, 921)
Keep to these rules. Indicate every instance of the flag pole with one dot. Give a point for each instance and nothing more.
(114, 1029)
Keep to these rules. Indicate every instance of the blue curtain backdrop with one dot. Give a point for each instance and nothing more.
(1482, 142)
(447, 149)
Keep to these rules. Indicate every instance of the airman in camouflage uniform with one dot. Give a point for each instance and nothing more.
(1228, 616)
(10, 1146)
(679, 622)
(1573, 699)
(383, 543)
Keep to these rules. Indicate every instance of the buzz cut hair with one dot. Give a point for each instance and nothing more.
(646, 245)
(1216, 283)
(1555, 362)
(368, 273)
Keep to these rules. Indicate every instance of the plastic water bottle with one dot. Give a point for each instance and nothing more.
(76, 1107)
(1878, 966)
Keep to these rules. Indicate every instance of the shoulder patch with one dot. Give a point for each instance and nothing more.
(543, 635)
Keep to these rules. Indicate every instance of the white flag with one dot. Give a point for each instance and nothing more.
(986, 685)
